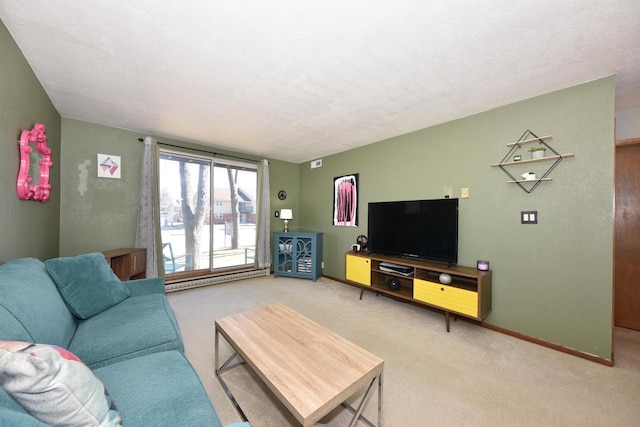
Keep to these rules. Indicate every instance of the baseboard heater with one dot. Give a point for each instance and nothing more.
(213, 280)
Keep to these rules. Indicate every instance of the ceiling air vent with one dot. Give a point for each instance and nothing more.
(316, 164)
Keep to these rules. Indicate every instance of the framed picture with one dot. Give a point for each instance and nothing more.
(345, 201)
(109, 166)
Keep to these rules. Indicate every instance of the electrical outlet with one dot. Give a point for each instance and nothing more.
(277, 214)
(322, 264)
(464, 193)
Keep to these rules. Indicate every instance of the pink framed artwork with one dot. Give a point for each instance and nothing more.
(39, 191)
(345, 201)
(109, 166)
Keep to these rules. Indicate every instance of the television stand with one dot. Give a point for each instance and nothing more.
(468, 294)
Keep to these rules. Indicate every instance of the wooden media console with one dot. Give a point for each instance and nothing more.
(468, 294)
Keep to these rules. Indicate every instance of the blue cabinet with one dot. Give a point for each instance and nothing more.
(298, 255)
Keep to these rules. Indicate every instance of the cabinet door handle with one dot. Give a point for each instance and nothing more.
(442, 289)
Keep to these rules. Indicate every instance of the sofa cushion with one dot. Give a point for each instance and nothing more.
(55, 386)
(30, 304)
(150, 285)
(86, 283)
(159, 389)
(138, 325)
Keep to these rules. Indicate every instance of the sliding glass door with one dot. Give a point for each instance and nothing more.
(234, 212)
(208, 220)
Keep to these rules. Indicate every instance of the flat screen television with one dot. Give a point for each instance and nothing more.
(423, 229)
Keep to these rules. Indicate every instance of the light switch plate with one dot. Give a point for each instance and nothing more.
(528, 217)
(464, 193)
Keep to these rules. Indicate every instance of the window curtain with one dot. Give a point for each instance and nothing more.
(148, 215)
(263, 243)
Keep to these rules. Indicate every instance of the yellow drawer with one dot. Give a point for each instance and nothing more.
(447, 297)
(359, 269)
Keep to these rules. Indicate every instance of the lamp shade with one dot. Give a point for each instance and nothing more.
(286, 214)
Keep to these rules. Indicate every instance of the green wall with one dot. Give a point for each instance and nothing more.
(285, 176)
(552, 280)
(28, 228)
(102, 213)
(98, 213)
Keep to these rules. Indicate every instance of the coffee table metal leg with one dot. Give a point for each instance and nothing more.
(380, 399)
(357, 413)
(217, 344)
(224, 368)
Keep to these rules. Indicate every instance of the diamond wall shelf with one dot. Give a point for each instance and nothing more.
(527, 138)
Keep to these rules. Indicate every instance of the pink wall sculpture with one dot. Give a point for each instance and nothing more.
(39, 191)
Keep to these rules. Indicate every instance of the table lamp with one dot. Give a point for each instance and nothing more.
(286, 215)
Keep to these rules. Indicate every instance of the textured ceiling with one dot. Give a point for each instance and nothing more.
(297, 80)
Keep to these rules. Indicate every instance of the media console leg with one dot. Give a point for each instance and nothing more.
(446, 319)
(361, 292)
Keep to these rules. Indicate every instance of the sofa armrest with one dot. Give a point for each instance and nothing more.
(151, 285)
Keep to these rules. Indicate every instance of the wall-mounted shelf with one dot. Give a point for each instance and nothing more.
(529, 180)
(525, 161)
(530, 140)
(528, 185)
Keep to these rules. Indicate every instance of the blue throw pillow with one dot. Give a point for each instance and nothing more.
(87, 283)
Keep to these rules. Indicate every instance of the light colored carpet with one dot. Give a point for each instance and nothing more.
(471, 376)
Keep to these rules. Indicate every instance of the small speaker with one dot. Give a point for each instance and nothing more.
(482, 265)
(393, 283)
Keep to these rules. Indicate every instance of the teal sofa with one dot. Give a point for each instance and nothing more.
(124, 333)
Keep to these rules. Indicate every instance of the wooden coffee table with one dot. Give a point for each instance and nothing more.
(310, 369)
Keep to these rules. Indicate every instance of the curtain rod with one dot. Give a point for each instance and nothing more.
(205, 151)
